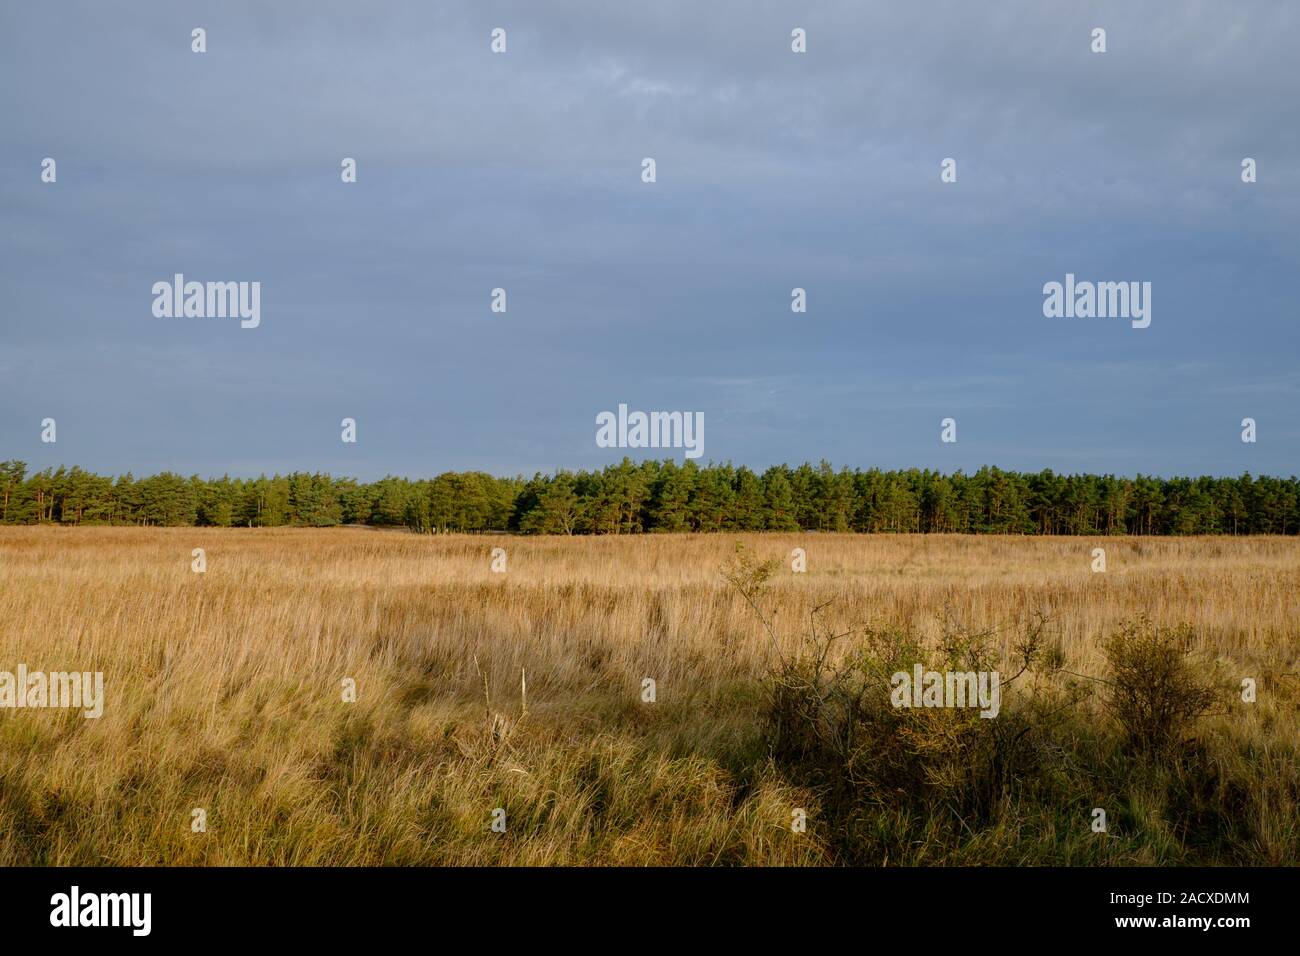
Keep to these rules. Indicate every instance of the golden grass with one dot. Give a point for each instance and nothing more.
(223, 688)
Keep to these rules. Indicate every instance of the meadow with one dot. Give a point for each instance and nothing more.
(524, 691)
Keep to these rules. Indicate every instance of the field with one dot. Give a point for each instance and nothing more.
(523, 690)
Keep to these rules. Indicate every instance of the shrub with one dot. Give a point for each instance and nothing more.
(830, 719)
(1154, 695)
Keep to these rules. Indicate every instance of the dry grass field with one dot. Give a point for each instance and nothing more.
(223, 692)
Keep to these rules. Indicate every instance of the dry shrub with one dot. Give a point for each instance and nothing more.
(830, 718)
(1155, 695)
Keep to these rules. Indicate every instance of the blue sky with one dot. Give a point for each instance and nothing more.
(775, 170)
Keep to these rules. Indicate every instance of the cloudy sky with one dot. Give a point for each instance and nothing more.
(774, 170)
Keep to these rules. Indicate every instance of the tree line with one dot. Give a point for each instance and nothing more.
(632, 497)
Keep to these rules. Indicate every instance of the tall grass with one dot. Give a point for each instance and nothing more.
(223, 693)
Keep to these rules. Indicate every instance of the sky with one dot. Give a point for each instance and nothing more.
(522, 170)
